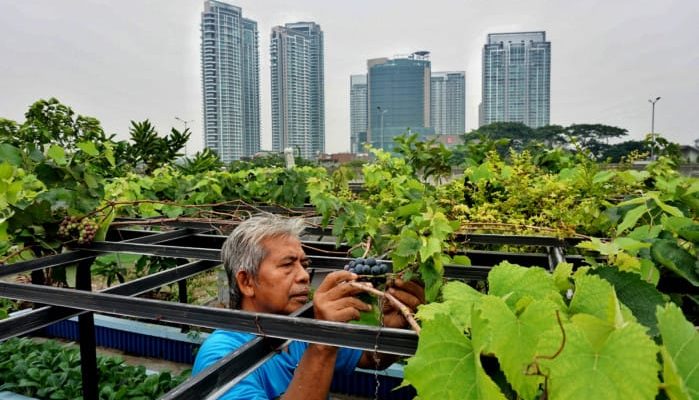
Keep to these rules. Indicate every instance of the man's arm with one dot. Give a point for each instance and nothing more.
(331, 302)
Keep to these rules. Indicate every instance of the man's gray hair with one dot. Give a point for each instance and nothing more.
(243, 250)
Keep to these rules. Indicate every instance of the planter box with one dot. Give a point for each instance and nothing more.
(169, 343)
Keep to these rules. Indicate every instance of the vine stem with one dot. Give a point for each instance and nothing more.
(368, 247)
(407, 314)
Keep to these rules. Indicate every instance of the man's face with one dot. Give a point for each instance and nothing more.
(282, 283)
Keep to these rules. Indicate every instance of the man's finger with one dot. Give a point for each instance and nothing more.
(411, 287)
(334, 278)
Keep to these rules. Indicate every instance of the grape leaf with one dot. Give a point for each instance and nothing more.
(640, 296)
(514, 339)
(668, 253)
(680, 353)
(447, 366)
(515, 282)
(458, 302)
(561, 276)
(595, 296)
(621, 365)
(631, 218)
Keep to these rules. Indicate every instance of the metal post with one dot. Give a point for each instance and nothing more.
(86, 326)
(652, 127)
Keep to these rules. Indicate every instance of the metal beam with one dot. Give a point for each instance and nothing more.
(48, 315)
(387, 340)
(72, 257)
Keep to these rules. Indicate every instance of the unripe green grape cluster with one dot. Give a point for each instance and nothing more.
(366, 266)
(83, 229)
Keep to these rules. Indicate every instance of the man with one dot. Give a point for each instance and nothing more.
(266, 268)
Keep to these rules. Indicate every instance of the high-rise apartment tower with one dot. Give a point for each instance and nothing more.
(358, 112)
(517, 79)
(298, 93)
(230, 81)
(448, 102)
(399, 98)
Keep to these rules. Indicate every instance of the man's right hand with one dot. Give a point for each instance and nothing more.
(335, 301)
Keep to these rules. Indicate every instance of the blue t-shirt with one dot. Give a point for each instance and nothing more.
(272, 378)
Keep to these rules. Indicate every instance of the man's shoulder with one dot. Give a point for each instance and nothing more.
(219, 344)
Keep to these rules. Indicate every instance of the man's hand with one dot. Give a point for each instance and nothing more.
(335, 301)
(407, 292)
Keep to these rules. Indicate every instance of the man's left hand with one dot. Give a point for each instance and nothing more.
(410, 293)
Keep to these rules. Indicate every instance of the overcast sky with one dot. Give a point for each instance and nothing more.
(135, 59)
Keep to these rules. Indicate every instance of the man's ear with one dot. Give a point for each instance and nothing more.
(246, 283)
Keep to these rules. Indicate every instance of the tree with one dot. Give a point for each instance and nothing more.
(518, 134)
(594, 137)
(153, 151)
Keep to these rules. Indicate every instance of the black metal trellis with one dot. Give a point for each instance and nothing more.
(191, 242)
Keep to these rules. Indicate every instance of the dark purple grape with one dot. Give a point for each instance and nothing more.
(376, 270)
(370, 262)
(352, 264)
(384, 268)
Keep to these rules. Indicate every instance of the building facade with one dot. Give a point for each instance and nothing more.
(230, 81)
(448, 102)
(298, 92)
(358, 112)
(398, 98)
(517, 79)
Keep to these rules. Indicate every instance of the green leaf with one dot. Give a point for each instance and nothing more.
(690, 232)
(668, 253)
(515, 283)
(514, 338)
(680, 353)
(57, 154)
(603, 176)
(631, 218)
(89, 148)
(638, 295)
(562, 276)
(675, 224)
(620, 366)
(461, 260)
(458, 300)
(596, 296)
(10, 154)
(632, 246)
(430, 247)
(446, 366)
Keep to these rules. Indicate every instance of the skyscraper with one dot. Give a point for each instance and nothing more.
(358, 112)
(230, 81)
(517, 78)
(298, 93)
(448, 102)
(399, 98)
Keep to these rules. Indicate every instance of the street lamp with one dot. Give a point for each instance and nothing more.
(185, 122)
(382, 112)
(652, 126)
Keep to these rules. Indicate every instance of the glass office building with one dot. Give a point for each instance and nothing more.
(230, 81)
(448, 102)
(399, 98)
(298, 93)
(516, 79)
(358, 112)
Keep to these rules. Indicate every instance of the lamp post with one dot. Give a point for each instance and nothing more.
(382, 112)
(652, 126)
(185, 122)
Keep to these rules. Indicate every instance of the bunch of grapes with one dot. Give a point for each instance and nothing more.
(366, 266)
(84, 229)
